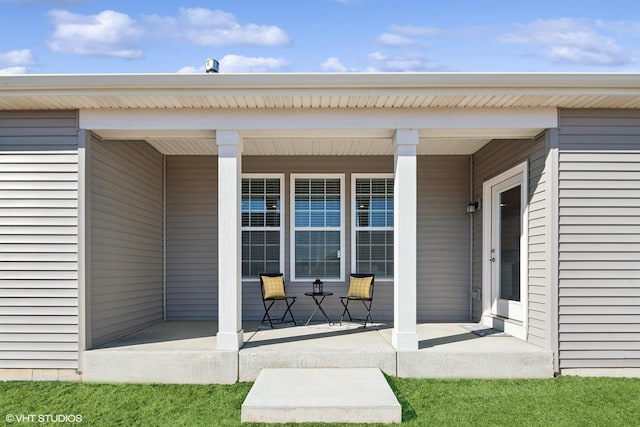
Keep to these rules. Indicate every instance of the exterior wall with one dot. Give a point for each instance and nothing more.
(599, 239)
(443, 238)
(192, 238)
(39, 239)
(491, 160)
(126, 238)
(443, 252)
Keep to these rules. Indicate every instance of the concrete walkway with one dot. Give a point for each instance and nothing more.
(345, 395)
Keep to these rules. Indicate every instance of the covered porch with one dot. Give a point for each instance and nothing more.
(184, 352)
(163, 220)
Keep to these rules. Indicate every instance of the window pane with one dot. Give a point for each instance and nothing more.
(374, 253)
(315, 255)
(374, 202)
(260, 208)
(317, 206)
(260, 252)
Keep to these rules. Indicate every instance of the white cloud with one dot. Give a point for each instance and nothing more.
(21, 57)
(208, 27)
(334, 65)
(14, 70)
(191, 70)
(390, 39)
(568, 40)
(410, 30)
(406, 62)
(406, 35)
(247, 64)
(108, 33)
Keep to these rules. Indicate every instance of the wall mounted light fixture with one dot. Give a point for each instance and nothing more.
(473, 207)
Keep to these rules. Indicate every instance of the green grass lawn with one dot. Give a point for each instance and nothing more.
(563, 401)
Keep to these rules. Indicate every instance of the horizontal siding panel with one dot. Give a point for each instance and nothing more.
(629, 338)
(38, 256)
(40, 311)
(601, 354)
(601, 256)
(27, 302)
(36, 346)
(443, 239)
(37, 248)
(597, 238)
(595, 309)
(43, 158)
(590, 282)
(53, 194)
(40, 355)
(44, 321)
(38, 293)
(38, 185)
(35, 329)
(39, 338)
(52, 204)
(37, 275)
(38, 239)
(600, 292)
(126, 252)
(26, 211)
(192, 246)
(566, 363)
(583, 329)
(38, 364)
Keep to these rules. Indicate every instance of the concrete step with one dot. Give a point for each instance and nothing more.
(345, 395)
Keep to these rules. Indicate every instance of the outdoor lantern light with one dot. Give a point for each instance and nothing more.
(472, 207)
(317, 286)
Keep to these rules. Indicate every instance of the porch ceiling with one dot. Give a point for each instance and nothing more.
(319, 146)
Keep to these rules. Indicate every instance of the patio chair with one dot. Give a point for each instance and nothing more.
(273, 289)
(360, 289)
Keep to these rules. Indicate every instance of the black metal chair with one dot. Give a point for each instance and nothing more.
(273, 289)
(360, 289)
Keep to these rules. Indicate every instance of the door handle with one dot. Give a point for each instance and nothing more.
(492, 259)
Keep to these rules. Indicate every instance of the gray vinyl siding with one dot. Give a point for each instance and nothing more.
(383, 293)
(38, 239)
(443, 249)
(443, 238)
(192, 238)
(126, 238)
(493, 159)
(599, 239)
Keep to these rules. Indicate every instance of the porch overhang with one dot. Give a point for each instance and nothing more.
(319, 132)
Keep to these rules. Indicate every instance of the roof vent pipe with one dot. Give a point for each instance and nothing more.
(211, 65)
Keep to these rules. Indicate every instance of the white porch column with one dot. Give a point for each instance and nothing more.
(230, 333)
(405, 208)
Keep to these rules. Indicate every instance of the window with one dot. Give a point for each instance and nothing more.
(317, 240)
(262, 225)
(372, 244)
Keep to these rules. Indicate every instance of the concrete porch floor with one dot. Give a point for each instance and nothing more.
(185, 352)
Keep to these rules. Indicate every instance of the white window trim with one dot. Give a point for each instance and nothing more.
(293, 228)
(489, 319)
(355, 176)
(283, 211)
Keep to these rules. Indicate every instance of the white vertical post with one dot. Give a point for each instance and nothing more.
(230, 333)
(405, 208)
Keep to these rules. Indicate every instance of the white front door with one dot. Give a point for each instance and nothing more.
(506, 245)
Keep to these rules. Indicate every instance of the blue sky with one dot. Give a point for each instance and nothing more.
(141, 36)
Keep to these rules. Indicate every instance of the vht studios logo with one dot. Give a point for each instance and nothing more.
(42, 418)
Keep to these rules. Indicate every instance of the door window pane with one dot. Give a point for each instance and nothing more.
(510, 232)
